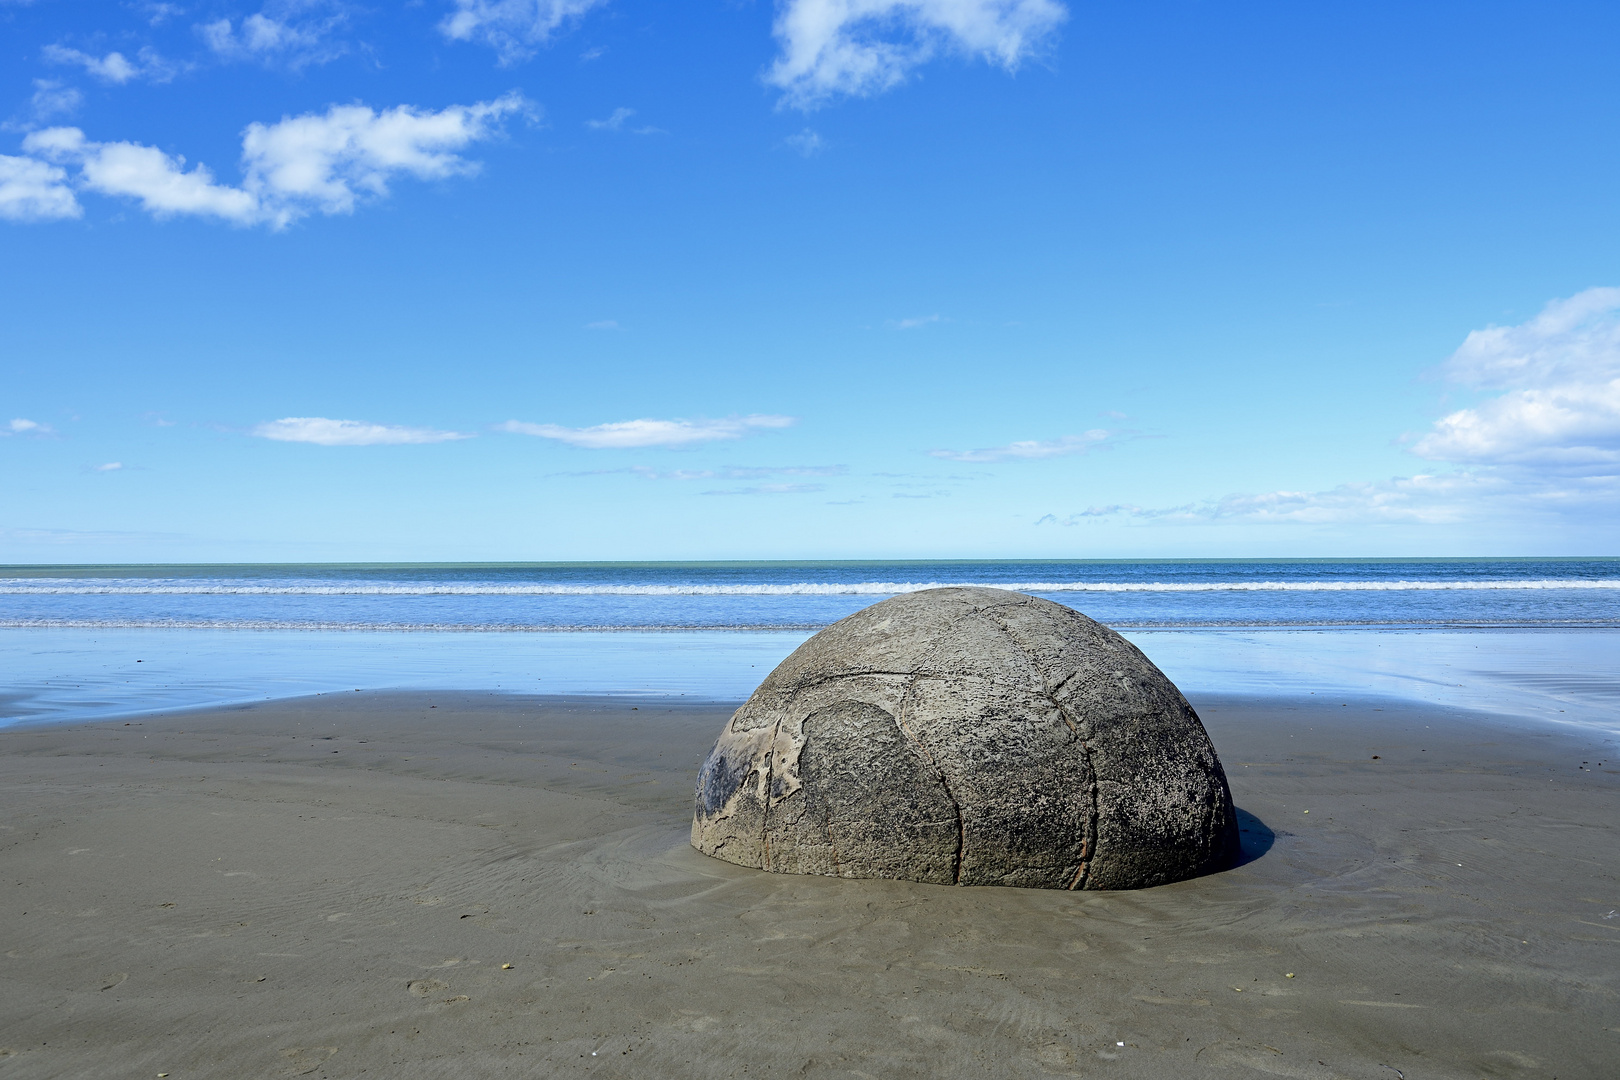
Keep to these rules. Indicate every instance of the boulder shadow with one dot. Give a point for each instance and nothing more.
(1254, 838)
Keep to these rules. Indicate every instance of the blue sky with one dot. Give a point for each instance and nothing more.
(603, 279)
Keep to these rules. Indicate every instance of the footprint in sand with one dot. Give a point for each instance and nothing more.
(306, 1059)
(426, 987)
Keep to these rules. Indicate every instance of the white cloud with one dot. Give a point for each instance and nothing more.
(115, 67)
(513, 28)
(806, 143)
(859, 47)
(629, 434)
(324, 432)
(159, 181)
(327, 160)
(111, 466)
(34, 191)
(1031, 449)
(1559, 406)
(297, 166)
(280, 34)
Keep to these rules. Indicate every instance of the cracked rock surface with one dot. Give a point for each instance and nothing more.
(970, 737)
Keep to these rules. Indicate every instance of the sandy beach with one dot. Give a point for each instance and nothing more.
(461, 884)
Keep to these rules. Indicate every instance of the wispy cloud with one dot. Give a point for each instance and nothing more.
(630, 434)
(806, 143)
(51, 100)
(323, 432)
(612, 123)
(324, 163)
(114, 67)
(754, 472)
(160, 13)
(830, 48)
(1544, 446)
(771, 489)
(111, 466)
(1448, 498)
(73, 536)
(1557, 384)
(724, 472)
(513, 28)
(289, 34)
(34, 428)
(33, 190)
(1033, 449)
(111, 68)
(915, 323)
(668, 474)
(618, 121)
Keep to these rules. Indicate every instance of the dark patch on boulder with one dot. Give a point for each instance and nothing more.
(718, 781)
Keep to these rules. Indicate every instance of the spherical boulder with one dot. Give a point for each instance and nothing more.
(971, 737)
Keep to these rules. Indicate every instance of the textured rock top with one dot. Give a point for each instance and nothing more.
(967, 736)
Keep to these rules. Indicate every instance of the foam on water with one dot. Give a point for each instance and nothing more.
(557, 597)
(616, 628)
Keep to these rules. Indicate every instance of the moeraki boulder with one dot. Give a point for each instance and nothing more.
(968, 736)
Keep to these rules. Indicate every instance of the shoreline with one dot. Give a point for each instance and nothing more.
(1414, 626)
(67, 675)
(330, 886)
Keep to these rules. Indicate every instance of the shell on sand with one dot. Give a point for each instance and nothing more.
(971, 737)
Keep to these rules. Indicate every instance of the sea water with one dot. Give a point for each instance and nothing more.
(1526, 636)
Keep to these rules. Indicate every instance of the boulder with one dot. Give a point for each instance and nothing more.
(967, 736)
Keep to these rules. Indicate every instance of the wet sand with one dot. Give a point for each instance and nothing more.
(333, 886)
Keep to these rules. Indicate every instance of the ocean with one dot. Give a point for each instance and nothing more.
(1519, 635)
